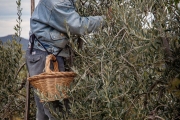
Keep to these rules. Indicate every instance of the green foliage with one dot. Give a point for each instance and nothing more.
(11, 99)
(12, 75)
(124, 71)
(17, 27)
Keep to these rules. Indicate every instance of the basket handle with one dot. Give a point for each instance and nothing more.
(48, 61)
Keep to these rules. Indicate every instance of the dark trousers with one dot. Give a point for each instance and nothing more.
(35, 65)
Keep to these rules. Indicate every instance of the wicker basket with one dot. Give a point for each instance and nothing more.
(52, 84)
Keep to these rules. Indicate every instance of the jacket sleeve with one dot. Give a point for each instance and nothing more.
(64, 15)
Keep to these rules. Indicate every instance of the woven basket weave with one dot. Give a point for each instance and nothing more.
(52, 84)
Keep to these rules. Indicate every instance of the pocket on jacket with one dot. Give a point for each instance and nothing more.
(59, 39)
(35, 63)
(34, 59)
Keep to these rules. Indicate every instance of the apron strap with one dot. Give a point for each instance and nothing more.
(33, 38)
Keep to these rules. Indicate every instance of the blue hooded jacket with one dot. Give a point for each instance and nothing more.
(52, 19)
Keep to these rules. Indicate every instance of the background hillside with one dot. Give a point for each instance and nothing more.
(24, 41)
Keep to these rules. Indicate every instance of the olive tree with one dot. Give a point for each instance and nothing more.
(130, 68)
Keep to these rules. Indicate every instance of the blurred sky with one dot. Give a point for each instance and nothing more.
(8, 16)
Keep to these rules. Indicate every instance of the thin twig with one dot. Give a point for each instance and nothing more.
(19, 70)
(130, 65)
